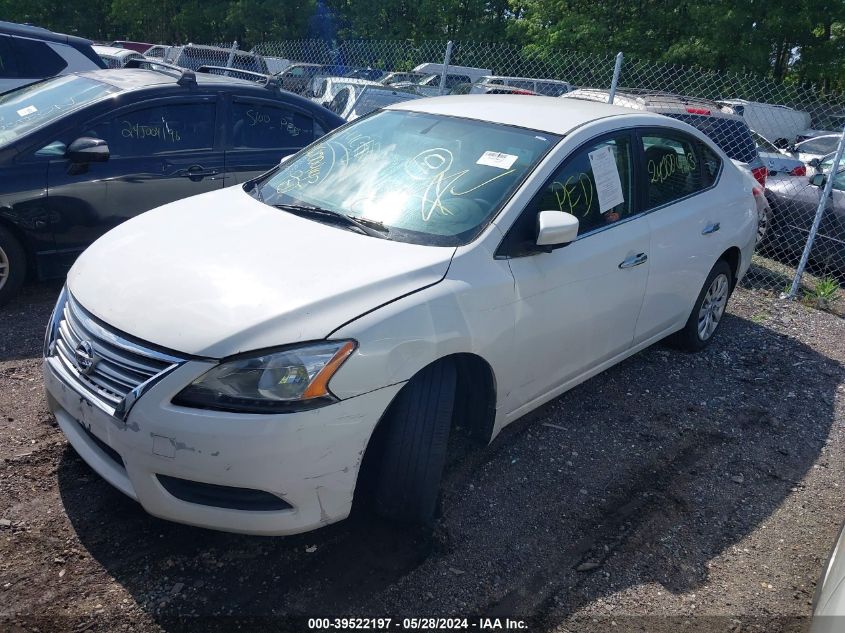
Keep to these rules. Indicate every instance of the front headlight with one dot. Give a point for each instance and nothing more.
(273, 382)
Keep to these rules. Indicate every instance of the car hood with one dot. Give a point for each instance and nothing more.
(222, 273)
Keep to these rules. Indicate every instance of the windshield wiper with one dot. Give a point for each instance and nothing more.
(374, 228)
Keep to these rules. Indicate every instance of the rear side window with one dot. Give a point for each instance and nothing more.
(264, 126)
(36, 59)
(731, 135)
(161, 129)
(676, 167)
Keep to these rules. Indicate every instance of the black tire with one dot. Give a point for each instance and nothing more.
(12, 266)
(414, 449)
(690, 338)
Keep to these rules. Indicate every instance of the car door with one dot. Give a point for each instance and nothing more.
(260, 132)
(160, 151)
(577, 306)
(685, 223)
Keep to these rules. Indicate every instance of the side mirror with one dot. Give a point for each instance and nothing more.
(815, 162)
(818, 180)
(87, 150)
(555, 229)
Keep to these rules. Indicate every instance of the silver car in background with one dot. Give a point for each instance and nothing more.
(775, 160)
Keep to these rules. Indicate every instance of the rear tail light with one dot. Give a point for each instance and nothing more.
(801, 170)
(698, 111)
(760, 174)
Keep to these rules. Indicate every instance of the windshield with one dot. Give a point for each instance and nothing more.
(430, 179)
(36, 105)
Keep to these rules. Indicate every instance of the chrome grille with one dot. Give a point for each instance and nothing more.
(120, 366)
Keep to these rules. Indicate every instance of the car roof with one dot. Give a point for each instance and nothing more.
(548, 114)
(114, 51)
(655, 99)
(40, 33)
(129, 79)
(135, 78)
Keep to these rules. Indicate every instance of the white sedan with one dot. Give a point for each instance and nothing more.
(230, 360)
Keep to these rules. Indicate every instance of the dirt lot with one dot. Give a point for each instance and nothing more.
(673, 492)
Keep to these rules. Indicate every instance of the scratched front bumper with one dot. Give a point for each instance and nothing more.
(310, 459)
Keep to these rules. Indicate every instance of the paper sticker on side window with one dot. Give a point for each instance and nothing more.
(497, 159)
(606, 177)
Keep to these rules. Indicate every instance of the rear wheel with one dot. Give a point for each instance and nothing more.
(708, 310)
(12, 265)
(414, 449)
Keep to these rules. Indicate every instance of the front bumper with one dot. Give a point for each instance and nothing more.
(309, 459)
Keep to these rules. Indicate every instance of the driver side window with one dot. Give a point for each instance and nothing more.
(589, 184)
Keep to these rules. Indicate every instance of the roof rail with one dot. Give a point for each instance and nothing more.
(271, 82)
(186, 76)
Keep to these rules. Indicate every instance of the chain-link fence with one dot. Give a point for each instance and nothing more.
(783, 135)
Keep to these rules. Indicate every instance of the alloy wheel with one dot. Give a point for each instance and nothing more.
(713, 306)
(4, 268)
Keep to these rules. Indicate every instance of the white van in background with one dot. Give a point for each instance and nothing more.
(779, 123)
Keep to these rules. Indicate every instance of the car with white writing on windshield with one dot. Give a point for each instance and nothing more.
(81, 153)
(437, 268)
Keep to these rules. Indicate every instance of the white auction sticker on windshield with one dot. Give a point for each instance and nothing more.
(497, 159)
(27, 110)
(606, 177)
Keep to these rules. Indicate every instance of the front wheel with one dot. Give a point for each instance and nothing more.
(708, 310)
(414, 449)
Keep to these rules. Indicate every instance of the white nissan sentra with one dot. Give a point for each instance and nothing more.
(442, 266)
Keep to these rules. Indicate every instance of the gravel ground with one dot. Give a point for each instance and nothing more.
(672, 492)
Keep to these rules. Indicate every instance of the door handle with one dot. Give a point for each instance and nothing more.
(711, 228)
(634, 260)
(198, 172)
